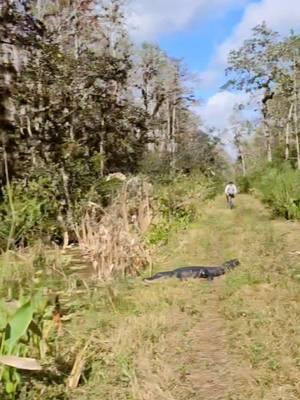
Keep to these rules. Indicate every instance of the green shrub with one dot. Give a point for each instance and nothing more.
(280, 189)
(177, 204)
(22, 335)
(155, 164)
(20, 220)
(40, 209)
(243, 184)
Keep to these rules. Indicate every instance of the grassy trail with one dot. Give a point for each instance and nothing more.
(236, 338)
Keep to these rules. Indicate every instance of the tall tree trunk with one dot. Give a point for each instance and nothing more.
(241, 154)
(266, 129)
(70, 220)
(76, 36)
(39, 9)
(76, 45)
(101, 151)
(32, 147)
(173, 137)
(288, 133)
(296, 108)
(10, 239)
(243, 161)
(101, 148)
(298, 151)
(169, 127)
(268, 142)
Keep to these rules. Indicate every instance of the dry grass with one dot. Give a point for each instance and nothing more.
(112, 237)
(261, 306)
(27, 268)
(236, 338)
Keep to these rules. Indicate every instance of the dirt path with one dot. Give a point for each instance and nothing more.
(211, 372)
(201, 363)
(219, 340)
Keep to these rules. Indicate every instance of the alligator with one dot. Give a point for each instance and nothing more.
(196, 272)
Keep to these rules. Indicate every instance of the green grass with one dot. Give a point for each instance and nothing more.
(142, 356)
(234, 338)
(279, 188)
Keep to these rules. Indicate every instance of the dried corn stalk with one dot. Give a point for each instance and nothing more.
(112, 237)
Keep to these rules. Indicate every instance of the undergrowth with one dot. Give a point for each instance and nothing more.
(139, 349)
(134, 336)
(177, 204)
(278, 186)
(128, 341)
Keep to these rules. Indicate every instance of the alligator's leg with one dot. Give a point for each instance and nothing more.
(179, 276)
(200, 274)
(182, 276)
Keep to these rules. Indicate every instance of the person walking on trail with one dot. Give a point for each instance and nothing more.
(230, 192)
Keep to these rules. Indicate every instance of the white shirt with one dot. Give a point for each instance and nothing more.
(231, 189)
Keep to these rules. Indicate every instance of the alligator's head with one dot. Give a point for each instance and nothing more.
(231, 263)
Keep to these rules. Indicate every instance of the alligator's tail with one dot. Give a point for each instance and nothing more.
(159, 276)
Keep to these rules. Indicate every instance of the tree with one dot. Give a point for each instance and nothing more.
(257, 67)
(267, 65)
(79, 101)
(20, 36)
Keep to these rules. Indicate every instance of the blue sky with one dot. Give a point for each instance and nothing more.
(202, 32)
(197, 44)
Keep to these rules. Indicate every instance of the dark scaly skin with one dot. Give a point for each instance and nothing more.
(195, 272)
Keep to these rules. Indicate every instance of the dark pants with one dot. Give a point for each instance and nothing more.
(229, 196)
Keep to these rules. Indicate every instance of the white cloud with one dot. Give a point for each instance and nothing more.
(216, 112)
(280, 15)
(150, 18)
(209, 78)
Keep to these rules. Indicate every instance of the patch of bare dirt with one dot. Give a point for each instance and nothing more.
(203, 368)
